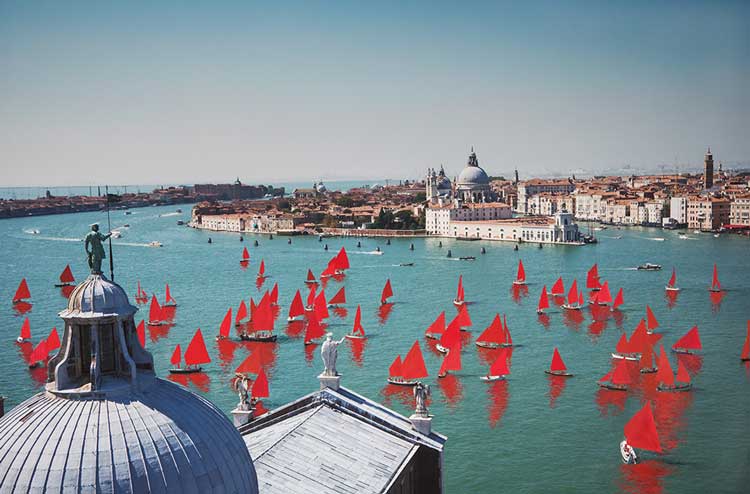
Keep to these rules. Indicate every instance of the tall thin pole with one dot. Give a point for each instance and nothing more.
(109, 230)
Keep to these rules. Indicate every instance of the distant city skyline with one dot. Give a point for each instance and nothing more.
(142, 92)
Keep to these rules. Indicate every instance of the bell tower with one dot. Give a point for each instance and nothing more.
(708, 170)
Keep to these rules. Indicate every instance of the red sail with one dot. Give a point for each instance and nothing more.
(622, 345)
(647, 357)
(330, 270)
(387, 292)
(460, 291)
(22, 292)
(604, 296)
(506, 330)
(640, 431)
(154, 312)
(141, 332)
(53, 340)
(67, 275)
(245, 254)
(462, 318)
(639, 339)
(196, 352)
(176, 356)
(413, 366)
(715, 281)
(452, 335)
(39, 352)
(683, 376)
(263, 315)
(606, 377)
(493, 333)
(500, 366)
(262, 269)
(652, 322)
(521, 273)
(543, 299)
(618, 300)
(339, 297)
(438, 326)
(320, 306)
(452, 361)
(260, 386)
(557, 362)
(342, 260)
(690, 341)
(314, 329)
(621, 374)
(664, 374)
(310, 276)
(296, 309)
(226, 323)
(311, 296)
(592, 277)
(251, 365)
(395, 369)
(573, 293)
(745, 355)
(673, 279)
(26, 330)
(357, 328)
(558, 288)
(168, 296)
(241, 313)
(274, 297)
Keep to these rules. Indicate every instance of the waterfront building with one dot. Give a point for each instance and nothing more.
(678, 210)
(105, 423)
(245, 222)
(530, 188)
(547, 204)
(707, 213)
(234, 191)
(442, 219)
(559, 228)
(739, 211)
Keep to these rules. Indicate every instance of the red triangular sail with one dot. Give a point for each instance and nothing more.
(573, 294)
(395, 369)
(673, 278)
(357, 328)
(339, 298)
(53, 340)
(521, 272)
(604, 296)
(154, 311)
(22, 292)
(196, 352)
(558, 288)
(413, 365)
(141, 333)
(621, 375)
(260, 386)
(592, 277)
(314, 329)
(664, 374)
(387, 292)
(438, 326)
(245, 254)
(39, 352)
(176, 356)
(297, 308)
(651, 322)
(557, 362)
(715, 284)
(26, 330)
(168, 296)
(690, 341)
(619, 300)
(226, 323)
(67, 275)
(683, 376)
(543, 300)
(640, 431)
(500, 366)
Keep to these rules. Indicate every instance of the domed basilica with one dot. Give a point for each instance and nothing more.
(472, 184)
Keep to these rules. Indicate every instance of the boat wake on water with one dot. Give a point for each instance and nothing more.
(58, 239)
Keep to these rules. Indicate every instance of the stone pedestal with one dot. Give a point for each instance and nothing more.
(242, 415)
(329, 382)
(421, 423)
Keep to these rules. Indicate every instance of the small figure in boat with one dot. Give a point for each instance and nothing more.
(242, 239)
(449, 253)
(483, 251)
(289, 242)
(329, 352)
(209, 240)
(255, 243)
(628, 453)
(515, 247)
(411, 247)
(377, 249)
(326, 247)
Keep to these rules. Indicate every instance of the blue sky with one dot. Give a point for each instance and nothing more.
(157, 92)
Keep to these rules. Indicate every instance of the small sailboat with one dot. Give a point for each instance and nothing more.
(651, 322)
(410, 370)
(617, 379)
(311, 278)
(647, 360)
(459, 300)
(573, 303)
(141, 296)
(690, 342)
(261, 322)
(195, 355)
(386, 293)
(671, 284)
(451, 361)
(715, 284)
(640, 432)
(631, 350)
(592, 278)
(25, 334)
(499, 368)
(451, 336)
(320, 306)
(245, 256)
(38, 355)
(259, 388)
(22, 293)
(666, 378)
(314, 330)
(53, 340)
(543, 301)
(274, 296)
(251, 365)
(66, 277)
(558, 289)
(493, 336)
(262, 270)
(297, 309)
(557, 367)
(520, 274)
(241, 316)
(226, 323)
(358, 332)
(168, 300)
(310, 303)
(338, 299)
(745, 353)
(437, 328)
(155, 313)
(463, 319)
(619, 300)
(603, 296)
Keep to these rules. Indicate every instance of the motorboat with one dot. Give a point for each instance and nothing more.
(649, 267)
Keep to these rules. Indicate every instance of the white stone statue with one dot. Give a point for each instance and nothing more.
(242, 386)
(329, 352)
(421, 392)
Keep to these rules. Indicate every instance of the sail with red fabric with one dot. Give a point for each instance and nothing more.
(386, 293)
(168, 300)
(715, 284)
(451, 361)
(618, 379)
(558, 289)
(647, 359)
(311, 278)
(462, 318)
(493, 336)
(226, 324)
(176, 358)
(412, 368)
(339, 298)
(141, 297)
(53, 340)
(261, 322)
(141, 332)
(260, 387)
(499, 368)
(640, 432)
(22, 292)
(358, 332)
(745, 353)
(689, 343)
(437, 328)
(520, 274)
(320, 306)
(66, 277)
(39, 354)
(156, 315)
(666, 380)
(672, 284)
(297, 309)
(604, 297)
(394, 371)
(543, 301)
(25, 334)
(651, 322)
(310, 303)
(573, 303)
(557, 367)
(195, 355)
(262, 269)
(241, 317)
(450, 337)
(274, 295)
(245, 255)
(592, 278)
(459, 300)
(251, 365)
(314, 330)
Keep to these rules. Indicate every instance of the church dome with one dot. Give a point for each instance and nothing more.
(98, 297)
(162, 439)
(473, 174)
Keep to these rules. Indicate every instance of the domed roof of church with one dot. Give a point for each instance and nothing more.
(473, 174)
(162, 439)
(96, 296)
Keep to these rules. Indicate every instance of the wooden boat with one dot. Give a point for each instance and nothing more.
(358, 332)
(66, 277)
(168, 300)
(573, 303)
(406, 264)
(520, 274)
(499, 368)
(262, 322)
(647, 360)
(297, 309)
(242, 314)
(618, 301)
(311, 278)
(543, 301)
(261, 270)
(156, 313)
(617, 379)
(466, 258)
(592, 278)
(450, 337)
(245, 255)
(651, 322)
(437, 328)
(666, 378)
(649, 267)
(25, 334)
(640, 432)
(195, 355)
(226, 323)
(386, 293)
(496, 335)
(410, 370)
(603, 296)
(671, 284)
(338, 299)
(320, 306)
(557, 367)
(690, 343)
(22, 292)
(631, 350)
(263, 336)
(715, 284)
(459, 300)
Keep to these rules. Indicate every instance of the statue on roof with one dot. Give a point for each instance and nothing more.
(421, 392)
(242, 386)
(95, 249)
(329, 352)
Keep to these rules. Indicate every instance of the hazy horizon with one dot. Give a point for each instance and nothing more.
(165, 92)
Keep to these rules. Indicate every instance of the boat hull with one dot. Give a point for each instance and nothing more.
(629, 457)
(648, 370)
(157, 323)
(571, 307)
(613, 387)
(492, 345)
(672, 289)
(676, 388)
(433, 336)
(187, 370)
(492, 378)
(401, 382)
(458, 303)
(684, 350)
(60, 285)
(263, 337)
(355, 336)
(558, 373)
(626, 356)
(519, 283)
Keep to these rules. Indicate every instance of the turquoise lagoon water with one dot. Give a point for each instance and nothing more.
(530, 434)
